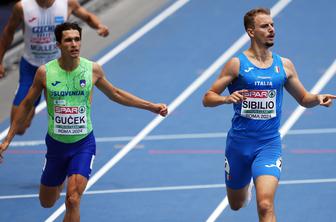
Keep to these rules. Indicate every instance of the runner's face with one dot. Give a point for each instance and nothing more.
(71, 42)
(264, 31)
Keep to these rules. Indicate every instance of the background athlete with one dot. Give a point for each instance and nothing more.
(67, 84)
(39, 18)
(255, 80)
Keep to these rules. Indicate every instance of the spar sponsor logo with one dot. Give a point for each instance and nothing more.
(260, 93)
(66, 109)
(259, 104)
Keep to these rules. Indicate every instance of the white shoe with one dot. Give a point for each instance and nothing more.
(249, 194)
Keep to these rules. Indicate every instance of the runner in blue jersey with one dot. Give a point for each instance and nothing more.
(255, 80)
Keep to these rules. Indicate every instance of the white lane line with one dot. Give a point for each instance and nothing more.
(3, 134)
(311, 131)
(173, 188)
(127, 190)
(156, 121)
(177, 136)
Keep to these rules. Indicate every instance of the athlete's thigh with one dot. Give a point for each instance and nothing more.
(27, 74)
(54, 171)
(80, 167)
(268, 159)
(82, 161)
(49, 194)
(76, 184)
(21, 93)
(266, 186)
(237, 197)
(238, 162)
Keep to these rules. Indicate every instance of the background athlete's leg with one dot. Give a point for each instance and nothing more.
(49, 195)
(27, 73)
(75, 188)
(266, 186)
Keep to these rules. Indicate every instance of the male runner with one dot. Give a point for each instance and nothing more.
(68, 83)
(255, 79)
(39, 18)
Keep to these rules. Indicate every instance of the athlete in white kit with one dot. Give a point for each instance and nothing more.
(39, 18)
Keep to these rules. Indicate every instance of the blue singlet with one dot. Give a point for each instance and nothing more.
(253, 145)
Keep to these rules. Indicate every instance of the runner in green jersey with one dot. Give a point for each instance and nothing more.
(67, 84)
(68, 98)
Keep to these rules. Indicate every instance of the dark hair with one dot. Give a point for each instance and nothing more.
(250, 15)
(66, 26)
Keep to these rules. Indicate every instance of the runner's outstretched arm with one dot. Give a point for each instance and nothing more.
(302, 96)
(125, 98)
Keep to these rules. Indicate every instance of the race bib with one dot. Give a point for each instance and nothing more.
(259, 104)
(70, 120)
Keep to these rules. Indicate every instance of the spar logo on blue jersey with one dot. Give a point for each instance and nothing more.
(59, 19)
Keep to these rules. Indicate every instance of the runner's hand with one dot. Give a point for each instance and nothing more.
(160, 108)
(103, 31)
(2, 71)
(326, 99)
(236, 97)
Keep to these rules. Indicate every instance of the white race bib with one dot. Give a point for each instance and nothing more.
(70, 120)
(259, 104)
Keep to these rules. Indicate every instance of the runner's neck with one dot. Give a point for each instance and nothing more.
(45, 3)
(68, 65)
(260, 57)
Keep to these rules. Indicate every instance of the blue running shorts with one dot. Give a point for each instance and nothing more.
(66, 159)
(27, 74)
(247, 157)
